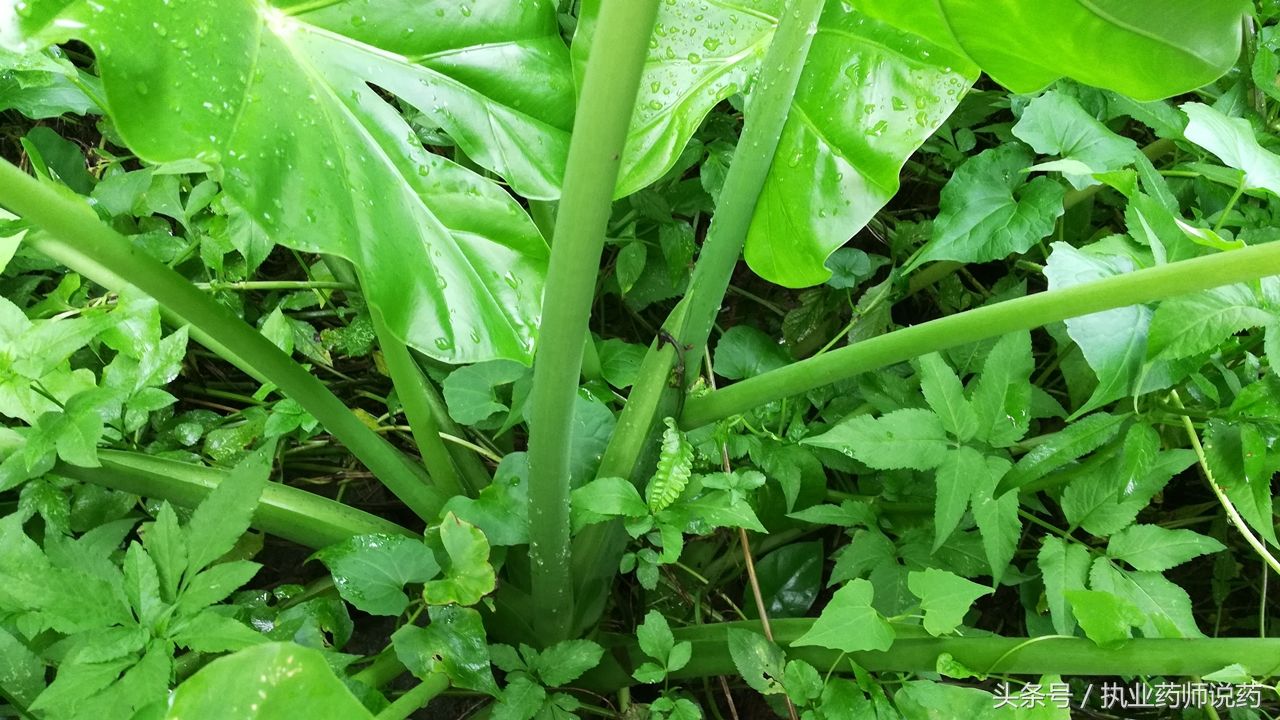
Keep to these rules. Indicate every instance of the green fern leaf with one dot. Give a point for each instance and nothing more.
(675, 465)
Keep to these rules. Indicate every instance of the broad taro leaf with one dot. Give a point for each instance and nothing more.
(869, 96)
(1148, 49)
(279, 98)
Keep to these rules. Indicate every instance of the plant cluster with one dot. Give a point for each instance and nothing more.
(636, 359)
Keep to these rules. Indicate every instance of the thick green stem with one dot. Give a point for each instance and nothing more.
(609, 86)
(472, 474)
(1143, 286)
(75, 237)
(417, 697)
(283, 511)
(915, 651)
(412, 387)
(653, 397)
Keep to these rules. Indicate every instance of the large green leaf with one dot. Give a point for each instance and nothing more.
(1114, 342)
(278, 100)
(1149, 49)
(273, 680)
(989, 210)
(1232, 139)
(869, 96)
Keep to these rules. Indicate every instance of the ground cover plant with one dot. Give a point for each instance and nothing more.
(638, 359)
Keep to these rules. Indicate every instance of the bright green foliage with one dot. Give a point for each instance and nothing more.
(530, 673)
(370, 571)
(1194, 324)
(273, 681)
(1105, 618)
(1113, 342)
(471, 391)
(1078, 439)
(1153, 49)
(944, 393)
(675, 462)
(952, 449)
(373, 195)
(1233, 141)
(908, 438)
(849, 623)
(454, 644)
(761, 663)
(843, 144)
(1064, 567)
(1055, 124)
(119, 623)
(1151, 547)
(656, 641)
(989, 210)
(468, 576)
(944, 597)
(1241, 465)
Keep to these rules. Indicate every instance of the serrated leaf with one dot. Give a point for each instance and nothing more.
(1233, 673)
(1165, 606)
(521, 699)
(849, 623)
(224, 515)
(944, 597)
(1151, 547)
(1232, 450)
(1191, 324)
(654, 636)
(370, 571)
(212, 632)
(760, 663)
(961, 471)
(469, 576)
(1075, 440)
(1064, 566)
(997, 518)
(1002, 397)
(1105, 618)
(21, 670)
(453, 643)
(848, 513)
(906, 438)
(1114, 342)
(989, 210)
(142, 584)
(215, 584)
(945, 394)
(167, 545)
(566, 661)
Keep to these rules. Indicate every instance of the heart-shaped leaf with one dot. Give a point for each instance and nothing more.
(278, 100)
